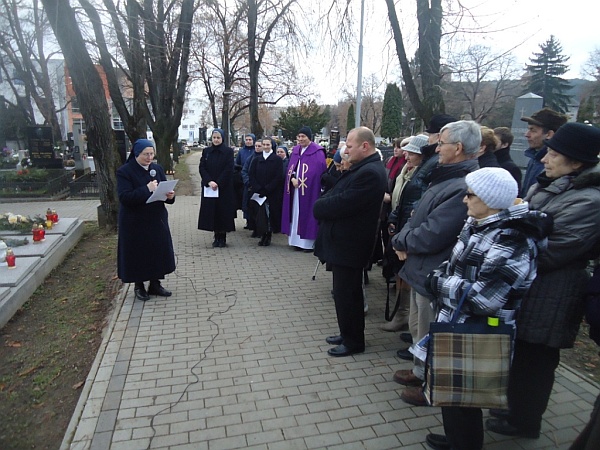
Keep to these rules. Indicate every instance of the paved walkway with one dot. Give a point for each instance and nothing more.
(236, 358)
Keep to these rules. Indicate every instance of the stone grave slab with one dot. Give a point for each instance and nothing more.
(63, 226)
(38, 248)
(3, 290)
(23, 267)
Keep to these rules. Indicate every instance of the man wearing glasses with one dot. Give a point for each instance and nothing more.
(429, 235)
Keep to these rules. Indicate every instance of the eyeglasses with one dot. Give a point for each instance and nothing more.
(470, 195)
(440, 143)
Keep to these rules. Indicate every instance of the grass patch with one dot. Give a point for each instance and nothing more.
(48, 347)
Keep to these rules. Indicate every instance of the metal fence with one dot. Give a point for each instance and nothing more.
(84, 186)
(54, 187)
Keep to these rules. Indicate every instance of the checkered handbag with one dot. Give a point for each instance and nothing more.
(468, 363)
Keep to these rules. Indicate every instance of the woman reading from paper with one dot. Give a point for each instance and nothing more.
(145, 248)
(217, 205)
(494, 260)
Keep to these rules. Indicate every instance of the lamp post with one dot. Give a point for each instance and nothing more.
(226, 121)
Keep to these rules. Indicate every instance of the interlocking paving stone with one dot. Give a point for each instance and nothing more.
(236, 358)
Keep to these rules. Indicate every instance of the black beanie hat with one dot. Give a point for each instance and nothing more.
(576, 141)
(306, 131)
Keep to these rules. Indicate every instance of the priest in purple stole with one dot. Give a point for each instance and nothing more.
(301, 190)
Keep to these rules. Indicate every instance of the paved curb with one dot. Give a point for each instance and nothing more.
(89, 382)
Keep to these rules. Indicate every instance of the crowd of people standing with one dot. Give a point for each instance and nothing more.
(521, 256)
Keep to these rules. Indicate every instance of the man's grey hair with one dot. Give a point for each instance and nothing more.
(467, 132)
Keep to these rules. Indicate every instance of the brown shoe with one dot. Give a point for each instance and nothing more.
(407, 378)
(414, 396)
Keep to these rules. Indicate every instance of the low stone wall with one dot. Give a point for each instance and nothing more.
(34, 262)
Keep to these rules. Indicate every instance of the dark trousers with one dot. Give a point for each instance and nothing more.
(349, 305)
(463, 427)
(530, 384)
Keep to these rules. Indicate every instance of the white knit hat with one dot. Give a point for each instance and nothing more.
(415, 144)
(495, 187)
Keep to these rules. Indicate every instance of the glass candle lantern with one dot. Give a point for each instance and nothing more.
(10, 258)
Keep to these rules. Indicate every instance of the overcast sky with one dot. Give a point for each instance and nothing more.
(526, 24)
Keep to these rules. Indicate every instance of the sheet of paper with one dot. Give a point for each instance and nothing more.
(209, 193)
(258, 199)
(160, 194)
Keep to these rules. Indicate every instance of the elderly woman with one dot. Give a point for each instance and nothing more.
(217, 204)
(145, 248)
(404, 196)
(495, 260)
(549, 319)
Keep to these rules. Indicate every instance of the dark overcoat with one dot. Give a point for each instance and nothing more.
(145, 248)
(217, 214)
(348, 214)
(266, 179)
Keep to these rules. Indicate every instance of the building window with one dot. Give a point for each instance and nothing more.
(75, 105)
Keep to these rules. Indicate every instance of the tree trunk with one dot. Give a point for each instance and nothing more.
(254, 66)
(92, 100)
(431, 101)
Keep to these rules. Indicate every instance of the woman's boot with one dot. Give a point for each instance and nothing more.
(216, 241)
(223, 239)
(400, 320)
(267, 241)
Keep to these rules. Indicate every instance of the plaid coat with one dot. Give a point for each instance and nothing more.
(496, 259)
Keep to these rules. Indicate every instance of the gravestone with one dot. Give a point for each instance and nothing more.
(525, 106)
(41, 148)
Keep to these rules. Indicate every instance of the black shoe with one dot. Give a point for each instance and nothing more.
(267, 241)
(499, 413)
(262, 240)
(437, 442)
(222, 243)
(157, 289)
(334, 340)
(501, 426)
(406, 337)
(140, 293)
(342, 350)
(405, 354)
(215, 243)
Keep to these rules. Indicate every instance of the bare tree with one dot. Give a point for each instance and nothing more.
(483, 79)
(372, 103)
(24, 35)
(94, 109)
(222, 63)
(156, 50)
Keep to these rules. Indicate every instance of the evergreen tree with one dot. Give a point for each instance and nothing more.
(543, 75)
(351, 117)
(307, 114)
(586, 110)
(391, 121)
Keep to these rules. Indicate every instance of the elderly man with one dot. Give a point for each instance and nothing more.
(348, 215)
(429, 235)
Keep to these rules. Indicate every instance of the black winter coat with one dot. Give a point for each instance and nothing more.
(266, 179)
(145, 248)
(217, 214)
(348, 214)
(506, 162)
